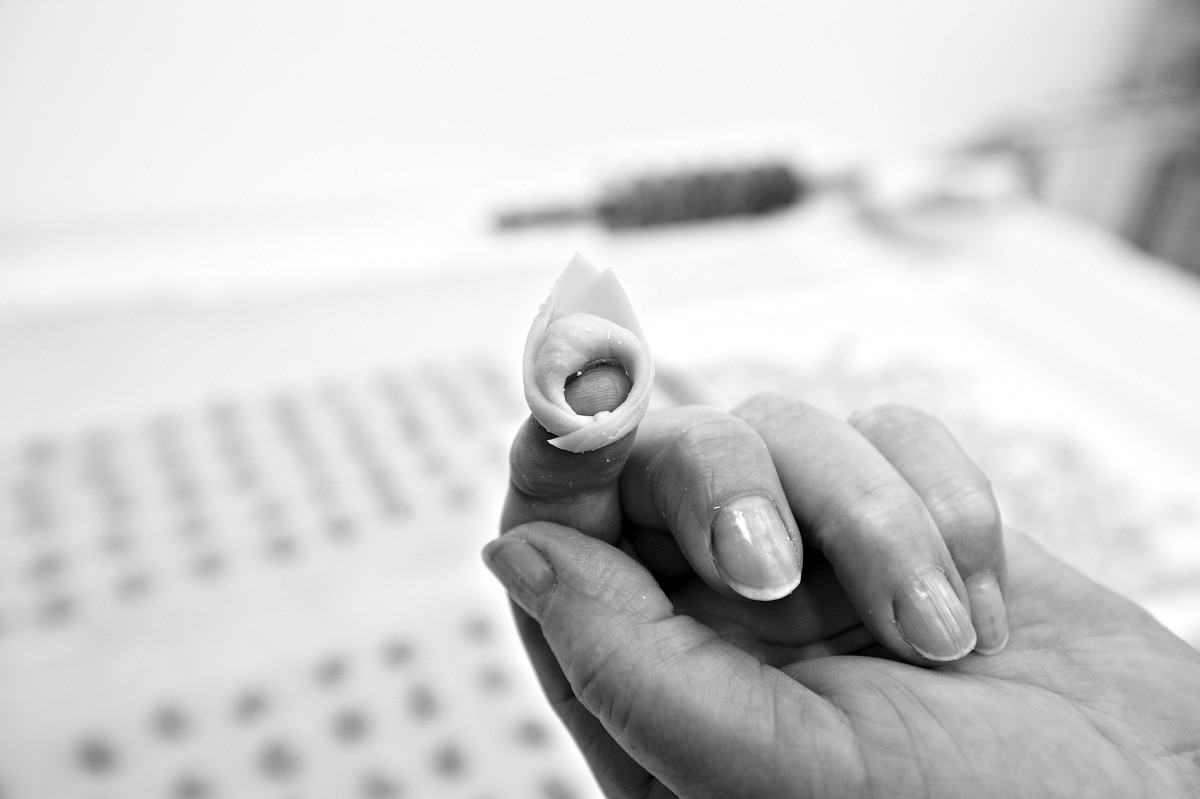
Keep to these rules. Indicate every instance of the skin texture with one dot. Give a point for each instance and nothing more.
(674, 685)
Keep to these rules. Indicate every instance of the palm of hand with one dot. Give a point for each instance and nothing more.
(1084, 701)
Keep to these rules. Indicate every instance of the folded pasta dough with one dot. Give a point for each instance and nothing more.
(587, 320)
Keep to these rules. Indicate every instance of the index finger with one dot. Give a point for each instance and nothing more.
(576, 489)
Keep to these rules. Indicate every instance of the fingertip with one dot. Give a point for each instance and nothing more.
(599, 388)
(524, 571)
(932, 618)
(553, 482)
(989, 614)
(708, 478)
(597, 574)
(753, 551)
(994, 650)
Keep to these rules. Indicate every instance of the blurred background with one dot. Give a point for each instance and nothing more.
(135, 123)
(265, 273)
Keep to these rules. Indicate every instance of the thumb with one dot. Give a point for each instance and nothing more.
(575, 489)
(704, 717)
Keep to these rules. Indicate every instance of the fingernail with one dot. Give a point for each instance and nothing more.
(598, 388)
(753, 550)
(522, 570)
(988, 612)
(932, 618)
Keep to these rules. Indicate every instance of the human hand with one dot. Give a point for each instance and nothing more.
(737, 698)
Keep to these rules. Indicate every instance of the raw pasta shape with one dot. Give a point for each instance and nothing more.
(586, 320)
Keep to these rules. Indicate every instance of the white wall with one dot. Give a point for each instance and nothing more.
(163, 108)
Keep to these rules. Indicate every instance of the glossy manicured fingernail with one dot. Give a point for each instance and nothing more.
(932, 618)
(988, 613)
(753, 551)
(523, 571)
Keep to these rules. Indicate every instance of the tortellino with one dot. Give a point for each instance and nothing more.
(587, 320)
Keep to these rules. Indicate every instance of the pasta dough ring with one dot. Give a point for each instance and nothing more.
(586, 320)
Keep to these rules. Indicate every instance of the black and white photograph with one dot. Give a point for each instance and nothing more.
(535, 400)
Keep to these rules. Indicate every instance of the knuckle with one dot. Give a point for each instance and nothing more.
(611, 581)
(596, 685)
(875, 509)
(881, 502)
(965, 508)
(609, 681)
(592, 738)
(764, 406)
(702, 460)
(892, 418)
(705, 433)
